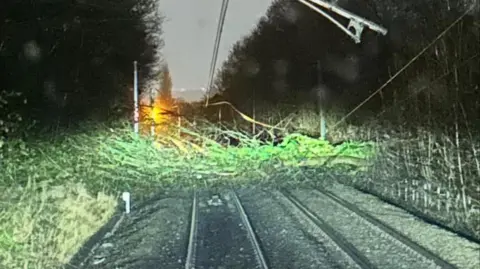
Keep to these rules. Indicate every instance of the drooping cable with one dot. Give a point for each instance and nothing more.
(221, 22)
(404, 67)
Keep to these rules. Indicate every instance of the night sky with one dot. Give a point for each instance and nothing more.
(189, 33)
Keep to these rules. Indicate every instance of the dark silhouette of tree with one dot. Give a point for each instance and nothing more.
(73, 60)
(166, 85)
(296, 56)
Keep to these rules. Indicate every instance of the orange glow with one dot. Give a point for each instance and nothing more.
(156, 115)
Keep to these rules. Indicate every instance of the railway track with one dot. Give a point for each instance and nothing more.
(221, 235)
(366, 240)
(349, 249)
(260, 228)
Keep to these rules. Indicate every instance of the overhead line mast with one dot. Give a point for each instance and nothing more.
(356, 23)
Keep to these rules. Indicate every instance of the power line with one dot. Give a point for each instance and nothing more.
(403, 68)
(221, 22)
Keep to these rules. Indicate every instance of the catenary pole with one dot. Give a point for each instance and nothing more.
(136, 113)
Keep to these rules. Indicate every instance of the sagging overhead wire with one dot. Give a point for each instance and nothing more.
(404, 67)
(221, 22)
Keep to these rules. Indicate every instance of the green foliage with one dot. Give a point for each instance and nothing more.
(294, 148)
(11, 120)
(116, 158)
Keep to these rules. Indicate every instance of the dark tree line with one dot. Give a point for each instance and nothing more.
(295, 55)
(73, 60)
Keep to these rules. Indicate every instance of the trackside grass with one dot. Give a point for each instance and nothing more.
(58, 191)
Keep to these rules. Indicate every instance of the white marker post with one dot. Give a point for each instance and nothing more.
(136, 114)
(126, 199)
